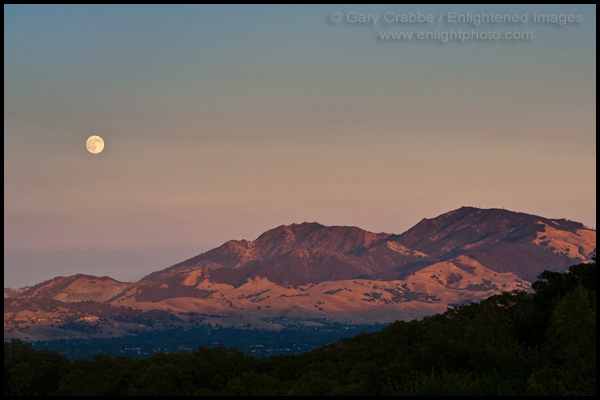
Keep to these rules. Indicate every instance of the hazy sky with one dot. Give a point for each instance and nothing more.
(221, 122)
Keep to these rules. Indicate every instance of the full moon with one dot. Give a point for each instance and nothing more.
(94, 144)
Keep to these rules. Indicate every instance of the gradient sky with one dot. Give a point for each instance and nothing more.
(221, 122)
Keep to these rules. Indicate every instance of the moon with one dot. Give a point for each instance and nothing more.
(94, 144)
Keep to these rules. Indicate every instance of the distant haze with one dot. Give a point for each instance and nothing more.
(221, 122)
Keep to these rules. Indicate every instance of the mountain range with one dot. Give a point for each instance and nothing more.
(308, 273)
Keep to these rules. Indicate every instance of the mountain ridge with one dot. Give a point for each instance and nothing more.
(419, 244)
(309, 270)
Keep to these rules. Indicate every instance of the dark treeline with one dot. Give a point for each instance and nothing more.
(518, 343)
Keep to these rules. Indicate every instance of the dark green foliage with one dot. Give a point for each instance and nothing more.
(569, 351)
(541, 343)
(28, 372)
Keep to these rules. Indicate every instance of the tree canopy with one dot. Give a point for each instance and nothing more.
(515, 343)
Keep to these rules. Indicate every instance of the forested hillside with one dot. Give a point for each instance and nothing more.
(517, 343)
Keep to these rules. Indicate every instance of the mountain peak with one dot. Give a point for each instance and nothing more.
(495, 237)
(502, 239)
(312, 235)
(294, 229)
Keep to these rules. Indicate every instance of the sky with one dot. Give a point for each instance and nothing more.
(221, 122)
